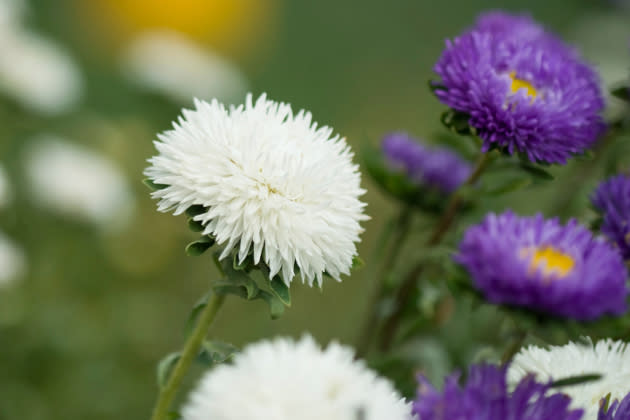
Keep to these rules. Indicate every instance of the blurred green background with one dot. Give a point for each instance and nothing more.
(84, 326)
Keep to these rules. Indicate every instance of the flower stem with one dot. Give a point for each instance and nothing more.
(444, 224)
(190, 351)
(400, 235)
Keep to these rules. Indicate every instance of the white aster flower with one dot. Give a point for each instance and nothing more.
(38, 73)
(287, 380)
(74, 181)
(12, 261)
(269, 180)
(172, 65)
(5, 188)
(607, 357)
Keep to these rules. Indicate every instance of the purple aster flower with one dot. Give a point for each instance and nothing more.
(485, 396)
(523, 89)
(612, 199)
(438, 167)
(544, 266)
(616, 411)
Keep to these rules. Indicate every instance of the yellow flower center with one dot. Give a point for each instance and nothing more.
(549, 260)
(518, 84)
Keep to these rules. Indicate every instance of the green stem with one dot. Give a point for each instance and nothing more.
(401, 233)
(189, 353)
(406, 289)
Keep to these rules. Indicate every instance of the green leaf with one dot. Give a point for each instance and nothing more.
(537, 172)
(621, 92)
(195, 210)
(152, 185)
(357, 263)
(165, 367)
(194, 225)
(576, 380)
(194, 249)
(276, 306)
(281, 290)
(214, 352)
(194, 314)
(509, 185)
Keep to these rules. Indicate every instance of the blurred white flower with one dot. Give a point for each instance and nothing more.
(10, 14)
(607, 357)
(77, 182)
(12, 261)
(38, 73)
(269, 180)
(5, 188)
(287, 380)
(174, 66)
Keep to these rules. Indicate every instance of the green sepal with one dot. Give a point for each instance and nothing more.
(238, 283)
(276, 306)
(621, 92)
(196, 248)
(605, 405)
(195, 210)
(435, 86)
(194, 225)
(357, 263)
(214, 352)
(165, 367)
(457, 122)
(246, 265)
(281, 290)
(575, 380)
(152, 185)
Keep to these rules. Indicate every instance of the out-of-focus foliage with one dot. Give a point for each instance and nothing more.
(82, 330)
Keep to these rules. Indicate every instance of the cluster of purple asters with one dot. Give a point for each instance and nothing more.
(436, 168)
(544, 266)
(523, 89)
(485, 396)
(612, 199)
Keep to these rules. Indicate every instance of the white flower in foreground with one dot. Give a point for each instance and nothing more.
(172, 65)
(77, 182)
(38, 73)
(12, 261)
(287, 380)
(607, 357)
(5, 188)
(270, 180)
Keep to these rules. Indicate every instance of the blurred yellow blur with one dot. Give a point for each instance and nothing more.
(228, 25)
